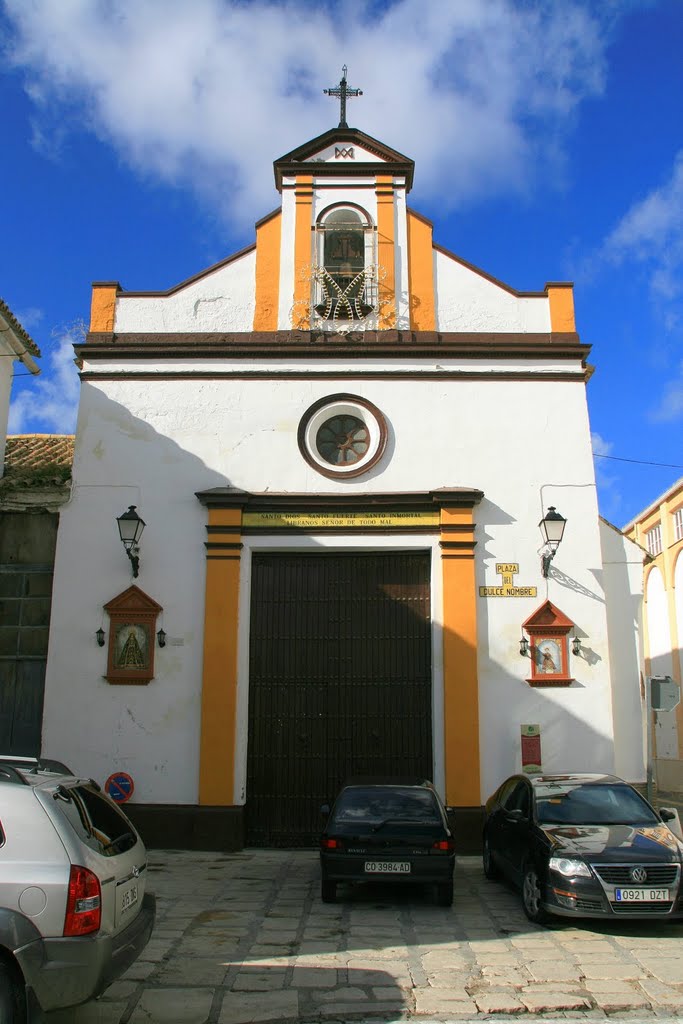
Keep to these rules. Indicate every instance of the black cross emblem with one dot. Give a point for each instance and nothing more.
(343, 92)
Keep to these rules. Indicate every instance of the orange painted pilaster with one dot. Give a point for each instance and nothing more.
(421, 274)
(103, 307)
(461, 683)
(219, 679)
(561, 301)
(267, 273)
(386, 250)
(303, 194)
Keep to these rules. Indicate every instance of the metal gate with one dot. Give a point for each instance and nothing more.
(340, 683)
(25, 597)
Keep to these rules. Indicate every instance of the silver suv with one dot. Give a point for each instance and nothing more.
(74, 913)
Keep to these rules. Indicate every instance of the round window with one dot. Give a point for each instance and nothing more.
(342, 435)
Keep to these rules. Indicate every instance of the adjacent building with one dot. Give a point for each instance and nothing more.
(659, 530)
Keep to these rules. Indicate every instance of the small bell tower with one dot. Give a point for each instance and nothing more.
(337, 250)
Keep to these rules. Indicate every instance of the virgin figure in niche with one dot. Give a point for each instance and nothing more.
(131, 655)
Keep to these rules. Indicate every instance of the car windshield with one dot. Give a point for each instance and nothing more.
(591, 804)
(378, 804)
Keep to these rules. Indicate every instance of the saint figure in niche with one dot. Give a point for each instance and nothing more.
(132, 644)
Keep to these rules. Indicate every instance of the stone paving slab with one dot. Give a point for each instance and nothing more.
(244, 939)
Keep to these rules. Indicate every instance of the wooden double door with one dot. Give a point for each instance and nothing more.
(340, 682)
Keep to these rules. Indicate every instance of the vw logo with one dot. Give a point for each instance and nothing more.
(136, 872)
(638, 875)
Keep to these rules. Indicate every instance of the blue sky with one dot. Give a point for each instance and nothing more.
(139, 135)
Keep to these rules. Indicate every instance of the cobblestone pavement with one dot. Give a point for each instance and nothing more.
(244, 937)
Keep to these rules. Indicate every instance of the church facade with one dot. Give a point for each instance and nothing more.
(342, 441)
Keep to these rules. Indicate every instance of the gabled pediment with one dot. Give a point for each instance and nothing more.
(133, 600)
(331, 152)
(548, 617)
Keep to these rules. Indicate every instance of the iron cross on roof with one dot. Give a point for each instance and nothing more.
(343, 92)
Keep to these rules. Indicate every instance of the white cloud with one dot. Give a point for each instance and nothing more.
(29, 318)
(51, 402)
(209, 92)
(607, 482)
(600, 446)
(651, 233)
(670, 407)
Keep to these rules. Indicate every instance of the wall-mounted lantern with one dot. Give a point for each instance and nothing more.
(130, 530)
(99, 636)
(552, 527)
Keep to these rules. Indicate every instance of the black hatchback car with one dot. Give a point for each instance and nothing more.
(387, 831)
(584, 845)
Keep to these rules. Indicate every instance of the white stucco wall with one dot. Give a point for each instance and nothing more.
(467, 301)
(623, 585)
(222, 300)
(525, 443)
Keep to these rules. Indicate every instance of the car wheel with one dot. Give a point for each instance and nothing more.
(328, 891)
(444, 894)
(12, 1010)
(532, 897)
(490, 869)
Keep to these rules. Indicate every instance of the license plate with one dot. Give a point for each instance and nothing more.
(642, 895)
(387, 867)
(127, 898)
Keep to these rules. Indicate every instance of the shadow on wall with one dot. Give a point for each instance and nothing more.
(342, 670)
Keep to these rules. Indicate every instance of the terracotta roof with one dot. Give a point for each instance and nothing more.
(21, 334)
(30, 452)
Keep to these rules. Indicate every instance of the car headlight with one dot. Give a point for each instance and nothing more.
(569, 866)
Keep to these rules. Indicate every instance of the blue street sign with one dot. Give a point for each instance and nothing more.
(120, 787)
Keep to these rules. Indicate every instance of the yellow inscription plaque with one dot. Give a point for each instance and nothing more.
(507, 571)
(325, 520)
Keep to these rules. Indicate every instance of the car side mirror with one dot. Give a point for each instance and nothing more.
(325, 811)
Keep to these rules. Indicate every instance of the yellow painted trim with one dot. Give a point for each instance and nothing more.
(386, 250)
(421, 274)
(561, 301)
(267, 274)
(219, 679)
(103, 307)
(461, 681)
(303, 241)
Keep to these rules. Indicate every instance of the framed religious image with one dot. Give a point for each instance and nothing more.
(549, 656)
(548, 630)
(132, 628)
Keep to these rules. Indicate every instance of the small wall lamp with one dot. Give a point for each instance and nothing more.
(130, 530)
(524, 646)
(576, 645)
(99, 636)
(161, 638)
(552, 527)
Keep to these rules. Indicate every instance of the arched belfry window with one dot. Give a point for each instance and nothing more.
(345, 279)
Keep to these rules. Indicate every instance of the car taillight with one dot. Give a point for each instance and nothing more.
(84, 903)
(331, 844)
(444, 844)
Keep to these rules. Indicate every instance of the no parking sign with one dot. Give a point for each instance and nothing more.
(120, 787)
